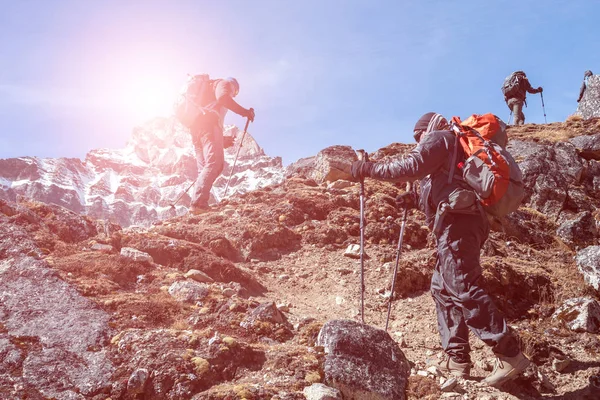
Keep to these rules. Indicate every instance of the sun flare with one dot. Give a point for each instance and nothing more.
(149, 96)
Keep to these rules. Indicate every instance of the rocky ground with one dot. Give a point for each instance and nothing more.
(228, 304)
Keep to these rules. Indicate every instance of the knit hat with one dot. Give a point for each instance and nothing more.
(429, 122)
(423, 122)
(236, 85)
(587, 73)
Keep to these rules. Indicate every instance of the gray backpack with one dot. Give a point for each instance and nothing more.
(512, 84)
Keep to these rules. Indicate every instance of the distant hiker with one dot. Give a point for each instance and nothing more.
(515, 89)
(202, 109)
(460, 231)
(586, 75)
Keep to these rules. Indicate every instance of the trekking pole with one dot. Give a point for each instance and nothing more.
(181, 195)
(509, 118)
(398, 252)
(363, 156)
(543, 108)
(236, 157)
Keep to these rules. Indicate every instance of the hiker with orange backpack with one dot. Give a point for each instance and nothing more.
(455, 212)
(202, 108)
(515, 89)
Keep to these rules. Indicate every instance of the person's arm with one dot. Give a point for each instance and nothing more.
(531, 89)
(223, 93)
(430, 155)
(581, 91)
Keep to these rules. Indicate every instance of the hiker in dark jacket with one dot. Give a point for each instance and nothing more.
(461, 303)
(586, 75)
(207, 136)
(518, 99)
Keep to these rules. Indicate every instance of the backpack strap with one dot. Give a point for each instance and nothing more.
(454, 157)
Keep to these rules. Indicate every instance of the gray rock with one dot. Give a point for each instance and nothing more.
(188, 291)
(560, 365)
(363, 362)
(579, 231)
(266, 312)
(333, 163)
(588, 146)
(340, 184)
(449, 385)
(588, 263)
(548, 172)
(318, 391)
(352, 251)
(136, 255)
(102, 247)
(137, 381)
(198, 276)
(581, 314)
(64, 331)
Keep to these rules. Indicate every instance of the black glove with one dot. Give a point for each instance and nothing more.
(408, 200)
(250, 114)
(361, 169)
(540, 89)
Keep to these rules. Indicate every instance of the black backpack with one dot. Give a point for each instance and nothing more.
(195, 101)
(512, 84)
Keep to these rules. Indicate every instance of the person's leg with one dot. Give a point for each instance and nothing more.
(518, 112)
(210, 157)
(454, 334)
(458, 250)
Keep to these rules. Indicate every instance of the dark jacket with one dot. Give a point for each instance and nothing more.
(431, 162)
(224, 92)
(524, 88)
(582, 90)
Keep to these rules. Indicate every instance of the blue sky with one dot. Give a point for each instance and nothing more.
(79, 75)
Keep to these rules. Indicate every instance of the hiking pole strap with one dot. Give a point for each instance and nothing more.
(236, 156)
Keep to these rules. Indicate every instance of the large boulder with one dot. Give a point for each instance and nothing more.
(332, 163)
(579, 231)
(588, 146)
(363, 362)
(580, 314)
(588, 263)
(61, 333)
(548, 173)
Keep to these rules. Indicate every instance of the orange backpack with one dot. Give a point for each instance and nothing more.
(489, 169)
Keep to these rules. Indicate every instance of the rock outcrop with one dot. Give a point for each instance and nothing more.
(589, 106)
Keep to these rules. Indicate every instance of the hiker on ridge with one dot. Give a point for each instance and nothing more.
(207, 136)
(515, 89)
(586, 75)
(461, 303)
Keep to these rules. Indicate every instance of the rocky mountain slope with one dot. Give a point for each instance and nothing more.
(258, 299)
(135, 185)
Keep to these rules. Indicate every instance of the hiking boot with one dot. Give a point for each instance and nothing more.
(506, 369)
(448, 366)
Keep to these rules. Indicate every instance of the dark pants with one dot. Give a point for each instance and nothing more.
(208, 144)
(460, 301)
(516, 106)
